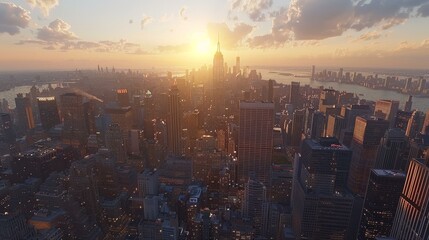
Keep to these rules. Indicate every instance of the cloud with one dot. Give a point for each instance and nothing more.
(369, 36)
(183, 13)
(174, 48)
(13, 18)
(57, 31)
(229, 39)
(254, 8)
(317, 20)
(424, 10)
(145, 21)
(44, 5)
(57, 36)
(131, 21)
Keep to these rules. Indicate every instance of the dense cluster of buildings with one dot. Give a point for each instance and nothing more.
(217, 153)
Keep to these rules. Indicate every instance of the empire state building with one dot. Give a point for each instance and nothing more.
(218, 81)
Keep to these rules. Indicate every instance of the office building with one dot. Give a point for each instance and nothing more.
(255, 195)
(322, 206)
(48, 112)
(148, 183)
(391, 152)
(116, 143)
(298, 122)
(411, 218)
(317, 125)
(294, 94)
(366, 139)
(409, 104)
(270, 90)
(328, 99)
(174, 122)
(78, 119)
(123, 97)
(7, 133)
(382, 196)
(24, 114)
(255, 140)
(386, 109)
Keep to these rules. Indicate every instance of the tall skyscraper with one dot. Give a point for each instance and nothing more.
(218, 68)
(237, 65)
(218, 95)
(174, 122)
(386, 109)
(24, 114)
(78, 114)
(391, 153)
(123, 97)
(422, 85)
(48, 112)
(7, 133)
(75, 131)
(255, 195)
(382, 196)
(328, 99)
(409, 104)
(270, 90)
(255, 141)
(317, 125)
(313, 72)
(298, 122)
(425, 128)
(411, 218)
(115, 142)
(366, 139)
(294, 95)
(322, 206)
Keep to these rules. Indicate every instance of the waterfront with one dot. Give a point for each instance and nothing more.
(421, 104)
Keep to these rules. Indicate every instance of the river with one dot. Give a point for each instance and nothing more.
(421, 104)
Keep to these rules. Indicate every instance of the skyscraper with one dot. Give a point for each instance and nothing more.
(409, 104)
(24, 114)
(270, 90)
(75, 130)
(411, 218)
(294, 95)
(391, 150)
(7, 133)
(174, 122)
(218, 68)
(123, 97)
(48, 111)
(323, 208)
(366, 139)
(382, 196)
(255, 195)
(255, 141)
(313, 72)
(317, 125)
(298, 123)
(115, 142)
(328, 99)
(386, 109)
(218, 95)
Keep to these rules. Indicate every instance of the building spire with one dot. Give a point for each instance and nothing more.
(218, 43)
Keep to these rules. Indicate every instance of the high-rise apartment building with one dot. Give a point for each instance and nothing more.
(255, 141)
(366, 139)
(411, 218)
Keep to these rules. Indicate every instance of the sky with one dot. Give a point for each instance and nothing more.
(143, 34)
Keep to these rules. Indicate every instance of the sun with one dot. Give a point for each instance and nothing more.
(202, 44)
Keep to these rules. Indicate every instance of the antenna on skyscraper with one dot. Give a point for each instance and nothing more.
(218, 43)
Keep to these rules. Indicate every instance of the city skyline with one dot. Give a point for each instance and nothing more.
(50, 35)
